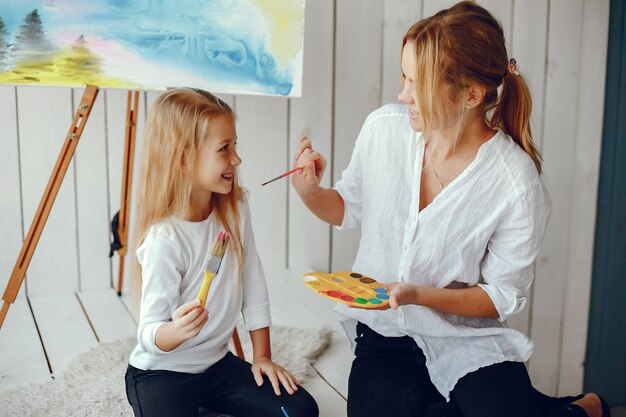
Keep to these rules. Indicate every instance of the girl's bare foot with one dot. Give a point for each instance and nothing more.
(591, 404)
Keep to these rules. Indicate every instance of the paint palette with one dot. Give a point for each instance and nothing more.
(351, 288)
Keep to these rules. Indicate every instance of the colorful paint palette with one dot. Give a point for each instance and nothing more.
(351, 288)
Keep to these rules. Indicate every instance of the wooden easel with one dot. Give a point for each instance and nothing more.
(52, 189)
(54, 184)
(132, 107)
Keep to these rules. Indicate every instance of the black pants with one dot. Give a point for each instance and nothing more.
(389, 378)
(227, 387)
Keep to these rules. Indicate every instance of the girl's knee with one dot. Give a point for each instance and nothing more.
(301, 404)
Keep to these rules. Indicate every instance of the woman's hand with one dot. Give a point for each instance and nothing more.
(276, 374)
(402, 293)
(468, 302)
(307, 181)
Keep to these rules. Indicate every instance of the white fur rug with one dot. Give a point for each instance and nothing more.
(93, 383)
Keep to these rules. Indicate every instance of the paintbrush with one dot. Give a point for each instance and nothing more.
(212, 265)
(282, 175)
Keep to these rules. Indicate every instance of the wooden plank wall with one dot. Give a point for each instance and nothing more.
(351, 67)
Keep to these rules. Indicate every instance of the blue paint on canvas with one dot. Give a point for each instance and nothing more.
(224, 40)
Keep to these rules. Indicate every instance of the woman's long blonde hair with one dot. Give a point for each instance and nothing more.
(176, 126)
(462, 46)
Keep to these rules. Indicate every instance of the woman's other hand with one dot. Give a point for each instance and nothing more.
(402, 293)
(307, 181)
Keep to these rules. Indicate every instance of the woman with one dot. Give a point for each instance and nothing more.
(448, 193)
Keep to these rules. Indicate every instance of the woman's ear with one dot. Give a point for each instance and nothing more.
(475, 95)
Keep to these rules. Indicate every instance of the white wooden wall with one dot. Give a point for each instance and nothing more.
(351, 67)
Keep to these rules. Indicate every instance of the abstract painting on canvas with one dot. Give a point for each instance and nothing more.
(225, 46)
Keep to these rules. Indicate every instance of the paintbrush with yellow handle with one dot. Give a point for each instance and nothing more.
(212, 265)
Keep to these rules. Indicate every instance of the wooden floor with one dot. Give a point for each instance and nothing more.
(41, 335)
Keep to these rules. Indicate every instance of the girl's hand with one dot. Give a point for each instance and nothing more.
(189, 318)
(275, 373)
(402, 293)
(307, 181)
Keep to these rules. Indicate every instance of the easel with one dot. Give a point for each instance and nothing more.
(132, 107)
(54, 184)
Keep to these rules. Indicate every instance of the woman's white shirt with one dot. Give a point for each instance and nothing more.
(172, 257)
(485, 228)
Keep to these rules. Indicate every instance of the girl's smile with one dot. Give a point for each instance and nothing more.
(228, 176)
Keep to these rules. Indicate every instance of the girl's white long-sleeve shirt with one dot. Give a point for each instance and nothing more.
(172, 258)
(485, 228)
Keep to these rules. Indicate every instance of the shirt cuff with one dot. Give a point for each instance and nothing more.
(147, 338)
(257, 317)
(507, 302)
(351, 214)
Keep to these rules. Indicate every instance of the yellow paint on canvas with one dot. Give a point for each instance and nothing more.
(287, 17)
(70, 66)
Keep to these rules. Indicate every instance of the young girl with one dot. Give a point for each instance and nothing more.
(455, 223)
(188, 194)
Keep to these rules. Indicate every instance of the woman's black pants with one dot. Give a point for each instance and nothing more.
(389, 378)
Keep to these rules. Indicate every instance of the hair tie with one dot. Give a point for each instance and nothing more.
(513, 68)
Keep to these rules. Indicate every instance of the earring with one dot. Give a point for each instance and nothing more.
(467, 107)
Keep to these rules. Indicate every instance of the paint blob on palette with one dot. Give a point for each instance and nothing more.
(351, 288)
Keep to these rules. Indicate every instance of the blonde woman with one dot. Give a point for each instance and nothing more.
(448, 192)
(188, 193)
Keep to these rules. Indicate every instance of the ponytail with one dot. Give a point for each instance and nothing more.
(511, 113)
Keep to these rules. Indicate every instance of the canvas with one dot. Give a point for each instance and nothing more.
(224, 46)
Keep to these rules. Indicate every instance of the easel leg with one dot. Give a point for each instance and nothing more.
(132, 108)
(47, 200)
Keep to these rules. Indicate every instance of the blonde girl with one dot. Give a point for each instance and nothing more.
(189, 193)
(448, 193)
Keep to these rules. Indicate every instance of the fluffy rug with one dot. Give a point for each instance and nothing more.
(93, 383)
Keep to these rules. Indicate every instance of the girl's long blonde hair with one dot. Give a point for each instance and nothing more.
(176, 126)
(462, 46)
